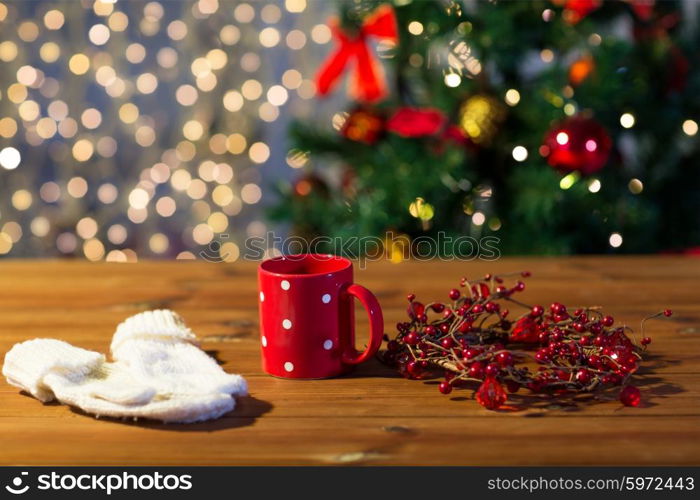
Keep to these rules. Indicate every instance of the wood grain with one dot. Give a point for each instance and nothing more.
(371, 416)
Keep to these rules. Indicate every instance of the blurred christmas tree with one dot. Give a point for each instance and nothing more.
(563, 126)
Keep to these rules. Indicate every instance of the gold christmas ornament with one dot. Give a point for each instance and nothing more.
(480, 118)
(422, 210)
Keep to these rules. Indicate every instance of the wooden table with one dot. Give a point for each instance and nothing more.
(372, 416)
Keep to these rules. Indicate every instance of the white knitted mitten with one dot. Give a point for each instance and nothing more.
(162, 351)
(45, 367)
(52, 369)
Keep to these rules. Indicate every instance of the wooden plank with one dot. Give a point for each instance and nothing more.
(383, 394)
(375, 440)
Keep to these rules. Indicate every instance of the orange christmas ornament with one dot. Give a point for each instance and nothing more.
(580, 70)
(363, 126)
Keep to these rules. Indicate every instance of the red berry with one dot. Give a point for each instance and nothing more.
(542, 356)
(630, 396)
(491, 307)
(445, 387)
(492, 370)
(430, 330)
(537, 311)
(447, 342)
(526, 274)
(646, 341)
(505, 358)
(557, 308)
(438, 307)
(594, 361)
(392, 346)
(471, 353)
(413, 368)
(477, 309)
(464, 327)
(412, 338)
(583, 377)
(415, 309)
(454, 294)
(476, 370)
(667, 312)
(519, 286)
(608, 321)
(411, 297)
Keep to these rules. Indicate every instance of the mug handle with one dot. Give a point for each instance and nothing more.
(376, 325)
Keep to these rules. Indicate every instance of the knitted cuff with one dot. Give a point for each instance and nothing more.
(161, 325)
(27, 364)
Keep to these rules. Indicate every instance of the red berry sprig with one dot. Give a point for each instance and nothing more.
(568, 351)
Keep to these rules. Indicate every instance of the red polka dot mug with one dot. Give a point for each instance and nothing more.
(307, 323)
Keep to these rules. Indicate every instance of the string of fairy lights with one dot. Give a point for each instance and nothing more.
(137, 129)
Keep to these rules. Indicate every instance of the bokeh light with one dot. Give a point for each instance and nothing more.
(690, 127)
(615, 240)
(142, 129)
(10, 158)
(627, 121)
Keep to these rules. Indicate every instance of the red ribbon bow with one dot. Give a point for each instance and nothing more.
(367, 84)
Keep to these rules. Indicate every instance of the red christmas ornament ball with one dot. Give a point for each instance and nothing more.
(577, 144)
